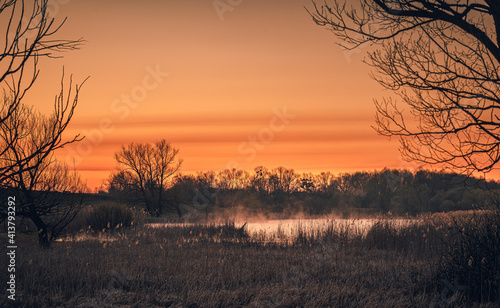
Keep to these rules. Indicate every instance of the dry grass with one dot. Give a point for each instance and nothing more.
(219, 266)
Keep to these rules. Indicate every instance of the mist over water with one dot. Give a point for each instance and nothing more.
(290, 229)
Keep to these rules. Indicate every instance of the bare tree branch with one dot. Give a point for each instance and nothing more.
(442, 58)
(29, 167)
(28, 35)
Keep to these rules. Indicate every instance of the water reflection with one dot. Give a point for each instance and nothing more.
(290, 229)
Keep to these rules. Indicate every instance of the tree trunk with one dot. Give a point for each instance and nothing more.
(160, 209)
(43, 234)
(43, 238)
(148, 206)
(178, 209)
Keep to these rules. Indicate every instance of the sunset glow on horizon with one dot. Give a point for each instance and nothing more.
(260, 84)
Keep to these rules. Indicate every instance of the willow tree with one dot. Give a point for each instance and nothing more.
(441, 57)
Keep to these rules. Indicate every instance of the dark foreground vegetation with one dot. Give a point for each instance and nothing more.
(445, 260)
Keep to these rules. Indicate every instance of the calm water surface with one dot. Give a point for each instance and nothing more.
(292, 227)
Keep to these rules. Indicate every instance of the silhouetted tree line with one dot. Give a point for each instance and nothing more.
(282, 190)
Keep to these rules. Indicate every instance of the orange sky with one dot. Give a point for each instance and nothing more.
(211, 83)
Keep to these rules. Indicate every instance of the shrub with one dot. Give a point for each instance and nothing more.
(472, 255)
(447, 205)
(109, 216)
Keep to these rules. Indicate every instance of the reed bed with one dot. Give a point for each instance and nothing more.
(221, 265)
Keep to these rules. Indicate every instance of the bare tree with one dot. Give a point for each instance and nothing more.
(285, 180)
(151, 167)
(44, 185)
(121, 181)
(28, 139)
(28, 32)
(325, 182)
(232, 179)
(442, 59)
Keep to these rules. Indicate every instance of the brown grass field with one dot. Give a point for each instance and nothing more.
(420, 265)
